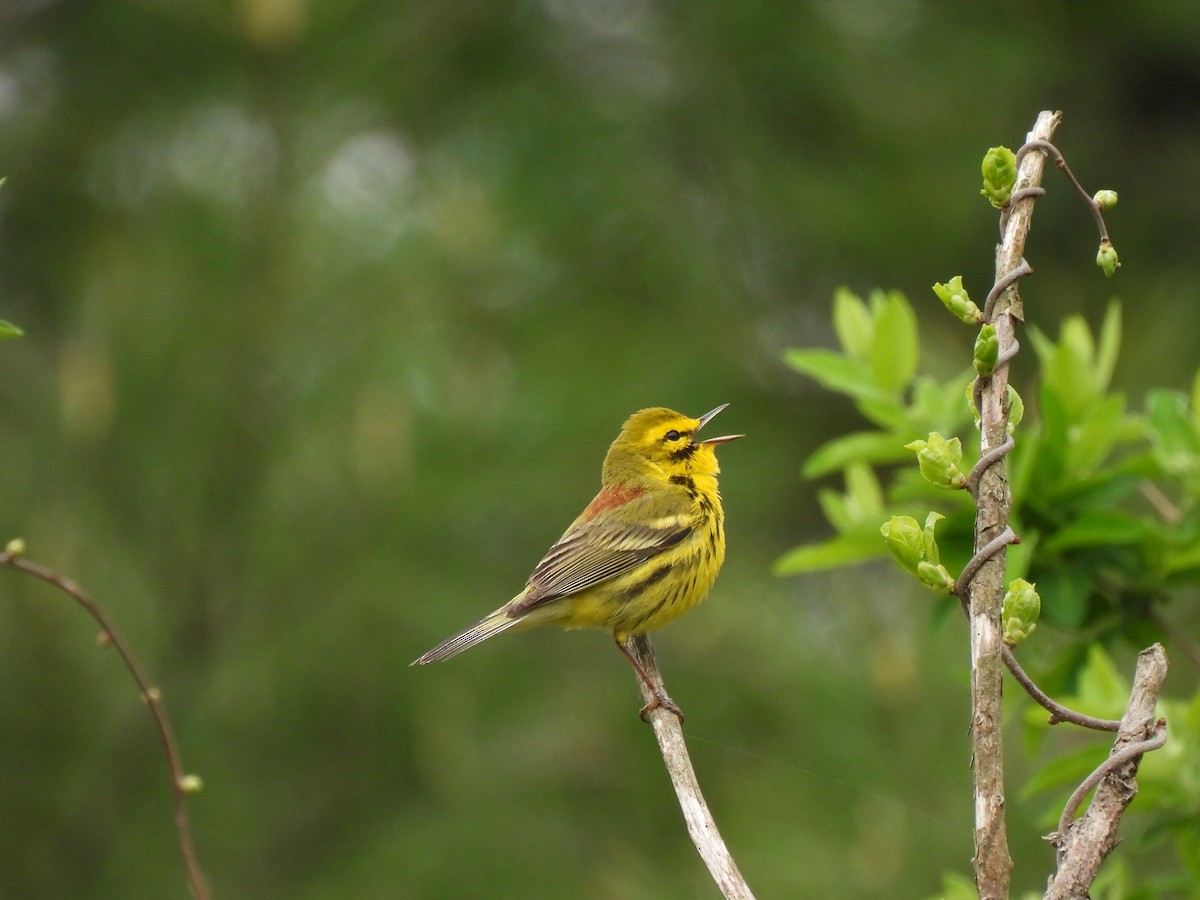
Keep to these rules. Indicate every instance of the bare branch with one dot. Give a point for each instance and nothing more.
(1082, 845)
(180, 781)
(668, 730)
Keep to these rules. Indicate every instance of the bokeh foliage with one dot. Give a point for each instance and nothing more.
(330, 310)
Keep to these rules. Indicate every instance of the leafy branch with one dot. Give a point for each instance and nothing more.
(1084, 454)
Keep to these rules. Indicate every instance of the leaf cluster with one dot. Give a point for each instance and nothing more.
(1105, 501)
(1104, 498)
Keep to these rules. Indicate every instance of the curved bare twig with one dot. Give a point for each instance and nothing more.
(180, 781)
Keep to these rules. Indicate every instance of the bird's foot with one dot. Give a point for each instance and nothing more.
(662, 701)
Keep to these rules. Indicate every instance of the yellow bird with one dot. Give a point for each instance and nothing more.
(644, 551)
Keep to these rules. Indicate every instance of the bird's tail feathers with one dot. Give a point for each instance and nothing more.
(488, 626)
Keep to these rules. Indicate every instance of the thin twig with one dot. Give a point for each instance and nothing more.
(1058, 712)
(1061, 163)
(982, 555)
(1167, 510)
(700, 824)
(150, 694)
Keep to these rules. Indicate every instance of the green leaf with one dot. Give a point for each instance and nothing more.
(843, 550)
(1097, 432)
(836, 372)
(1097, 528)
(895, 351)
(1109, 344)
(1186, 559)
(852, 323)
(932, 554)
(872, 447)
(956, 887)
(1073, 370)
(937, 406)
(1065, 771)
(1016, 409)
(864, 494)
(1065, 592)
(887, 412)
(1196, 400)
(860, 506)
(1173, 431)
(9, 330)
(1102, 690)
(836, 508)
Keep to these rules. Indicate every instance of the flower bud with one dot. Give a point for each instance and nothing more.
(15, 548)
(956, 299)
(903, 537)
(938, 460)
(934, 576)
(1106, 258)
(1105, 199)
(987, 350)
(1022, 606)
(999, 175)
(916, 549)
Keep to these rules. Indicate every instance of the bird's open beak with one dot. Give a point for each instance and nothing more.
(704, 419)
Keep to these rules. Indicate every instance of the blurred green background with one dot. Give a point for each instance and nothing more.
(332, 309)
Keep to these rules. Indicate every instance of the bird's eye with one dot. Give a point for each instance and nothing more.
(672, 436)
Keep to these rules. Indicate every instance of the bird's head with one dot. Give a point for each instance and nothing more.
(660, 442)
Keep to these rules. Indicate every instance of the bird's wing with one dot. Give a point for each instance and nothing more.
(597, 549)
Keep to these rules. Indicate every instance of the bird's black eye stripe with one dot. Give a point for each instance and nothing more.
(672, 435)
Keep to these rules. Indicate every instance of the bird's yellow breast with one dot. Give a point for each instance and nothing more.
(660, 589)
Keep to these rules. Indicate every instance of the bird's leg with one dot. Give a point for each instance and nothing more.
(656, 688)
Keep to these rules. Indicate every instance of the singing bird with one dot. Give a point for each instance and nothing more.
(644, 551)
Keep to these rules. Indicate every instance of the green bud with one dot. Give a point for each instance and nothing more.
(956, 299)
(929, 541)
(905, 540)
(1106, 258)
(1022, 606)
(987, 350)
(934, 576)
(1016, 409)
(191, 784)
(999, 175)
(1105, 199)
(938, 460)
(915, 548)
(15, 548)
